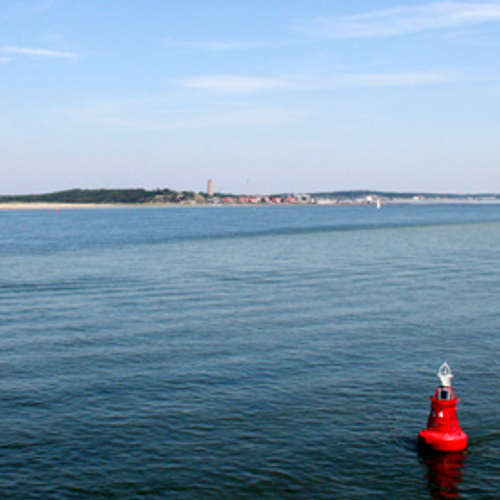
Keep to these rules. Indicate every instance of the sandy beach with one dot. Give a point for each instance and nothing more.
(54, 206)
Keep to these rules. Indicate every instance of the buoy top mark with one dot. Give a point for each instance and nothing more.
(445, 375)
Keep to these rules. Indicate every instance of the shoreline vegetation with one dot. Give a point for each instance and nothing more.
(102, 198)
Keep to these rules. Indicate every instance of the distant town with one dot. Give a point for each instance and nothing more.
(212, 197)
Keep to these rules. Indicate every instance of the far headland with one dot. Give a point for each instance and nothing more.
(87, 198)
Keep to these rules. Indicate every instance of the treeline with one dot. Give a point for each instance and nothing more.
(101, 196)
(396, 195)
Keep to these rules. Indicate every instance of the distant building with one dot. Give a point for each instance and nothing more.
(210, 187)
(302, 198)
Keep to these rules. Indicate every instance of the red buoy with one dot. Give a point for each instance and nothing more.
(443, 432)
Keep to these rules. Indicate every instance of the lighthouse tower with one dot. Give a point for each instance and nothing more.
(210, 187)
(443, 432)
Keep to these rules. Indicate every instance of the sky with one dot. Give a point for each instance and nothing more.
(262, 96)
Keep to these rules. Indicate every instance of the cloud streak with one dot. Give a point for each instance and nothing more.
(406, 20)
(186, 107)
(226, 46)
(400, 79)
(23, 10)
(232, 84)
(159, 113)
(36, 52)
(245, 84)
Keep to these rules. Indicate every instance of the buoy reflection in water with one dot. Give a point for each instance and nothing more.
(444, 473)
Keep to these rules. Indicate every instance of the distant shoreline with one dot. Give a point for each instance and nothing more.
(139, 197)
(26, 206)
(93, 206)
(53, 206)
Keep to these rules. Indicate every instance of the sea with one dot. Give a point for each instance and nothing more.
(247, 353)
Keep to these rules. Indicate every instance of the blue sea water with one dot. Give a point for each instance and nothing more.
(246, 353)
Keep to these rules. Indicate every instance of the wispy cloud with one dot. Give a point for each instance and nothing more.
(418, 78)
(246, 84)
(185, 106)
(232, 84)
(24, 10)
(44, 5)
(406, 20)
(225, 46)
(36, 52)
(228, 46)
(157, 113)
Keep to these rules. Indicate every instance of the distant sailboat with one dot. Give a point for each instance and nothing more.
(379, 204)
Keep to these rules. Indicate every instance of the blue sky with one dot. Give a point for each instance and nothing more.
(260, 95)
